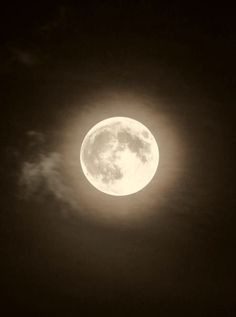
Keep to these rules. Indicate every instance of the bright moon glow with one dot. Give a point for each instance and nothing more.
(119, 156)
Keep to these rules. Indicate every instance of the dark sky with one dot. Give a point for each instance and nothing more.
(182, 262)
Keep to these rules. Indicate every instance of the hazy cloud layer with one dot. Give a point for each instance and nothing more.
(25, 57)
(42, 175)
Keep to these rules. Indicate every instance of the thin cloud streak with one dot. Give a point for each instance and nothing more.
(43, 177)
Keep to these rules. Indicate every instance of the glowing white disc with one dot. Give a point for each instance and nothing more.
(119, 156)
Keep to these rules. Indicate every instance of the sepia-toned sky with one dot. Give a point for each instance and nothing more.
(68, 249)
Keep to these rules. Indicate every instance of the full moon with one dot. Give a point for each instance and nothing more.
(119, 156)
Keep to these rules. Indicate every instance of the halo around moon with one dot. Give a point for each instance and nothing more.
(119, 156)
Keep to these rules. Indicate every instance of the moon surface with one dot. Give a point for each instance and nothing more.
(119, 156)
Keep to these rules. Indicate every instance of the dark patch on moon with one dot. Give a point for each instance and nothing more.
(92, 157)
(134, 143)
(145, 134)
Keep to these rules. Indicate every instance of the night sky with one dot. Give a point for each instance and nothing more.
(67, 63)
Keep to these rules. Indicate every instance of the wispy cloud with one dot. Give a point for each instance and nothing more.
(42, 176)
(24, 57)
(36, 137)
